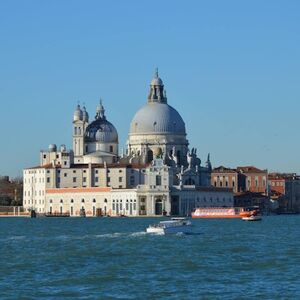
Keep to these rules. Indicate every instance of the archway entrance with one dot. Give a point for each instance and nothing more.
(158, 207)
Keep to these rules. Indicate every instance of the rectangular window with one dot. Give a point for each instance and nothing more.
(132, 181)
(108, 179)
(45, 156)
(65, 174)
(74, 179)
(84, 179)
(96, 171)
(158, 180)
(120, 179)
(96, 179)
(48, 179)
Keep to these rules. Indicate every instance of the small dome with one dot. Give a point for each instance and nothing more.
(78, 115)
(85, 115)
(101, 130)
(156, 81)
(52, 148)
(63, 148)
(155, 118)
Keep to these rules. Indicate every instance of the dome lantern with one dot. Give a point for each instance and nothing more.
(100, 111)
(157, 93)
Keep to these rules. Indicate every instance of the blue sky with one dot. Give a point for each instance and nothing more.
(231, 68)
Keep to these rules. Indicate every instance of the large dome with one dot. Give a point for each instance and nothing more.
(157, 118)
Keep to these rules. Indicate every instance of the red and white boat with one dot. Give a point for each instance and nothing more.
(221, 212)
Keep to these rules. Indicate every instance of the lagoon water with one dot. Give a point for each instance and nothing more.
(113, 258)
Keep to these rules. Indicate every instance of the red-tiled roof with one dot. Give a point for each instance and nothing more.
(250, 169)
(223, 169)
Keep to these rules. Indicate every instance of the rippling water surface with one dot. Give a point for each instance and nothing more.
(113, 258)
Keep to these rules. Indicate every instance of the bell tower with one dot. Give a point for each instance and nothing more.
(80, 122)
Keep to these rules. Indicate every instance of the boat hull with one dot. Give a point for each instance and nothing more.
(221, 213)
(176, 225)
(170, 230)
(252, 218)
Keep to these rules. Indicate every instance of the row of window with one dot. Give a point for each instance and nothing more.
(226, 184)
(256, 183)
(34, 180)
(28, 202)
(122, 200)
(277, 183)
(84, 179)
(119, 207)
(40, 193)
(41, 171)
(72, 200)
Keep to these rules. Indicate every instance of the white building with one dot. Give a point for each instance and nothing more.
(157, 175)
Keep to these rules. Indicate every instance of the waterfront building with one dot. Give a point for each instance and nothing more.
(242, 179)
(284, 188)
(230, 178)
(157, 174)
(256, 180)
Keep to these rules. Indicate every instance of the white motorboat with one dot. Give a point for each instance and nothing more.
(175, 225)
(252, 218)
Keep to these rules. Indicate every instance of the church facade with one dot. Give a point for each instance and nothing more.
(158, 174)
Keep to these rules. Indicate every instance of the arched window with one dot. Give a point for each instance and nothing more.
(94, 200)
(82, 200)
(72, 201)
(61, 201)
(150, 156)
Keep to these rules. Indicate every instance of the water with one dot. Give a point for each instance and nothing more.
(113, 258)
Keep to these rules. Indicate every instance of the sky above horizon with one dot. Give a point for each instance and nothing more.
(230, 68)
